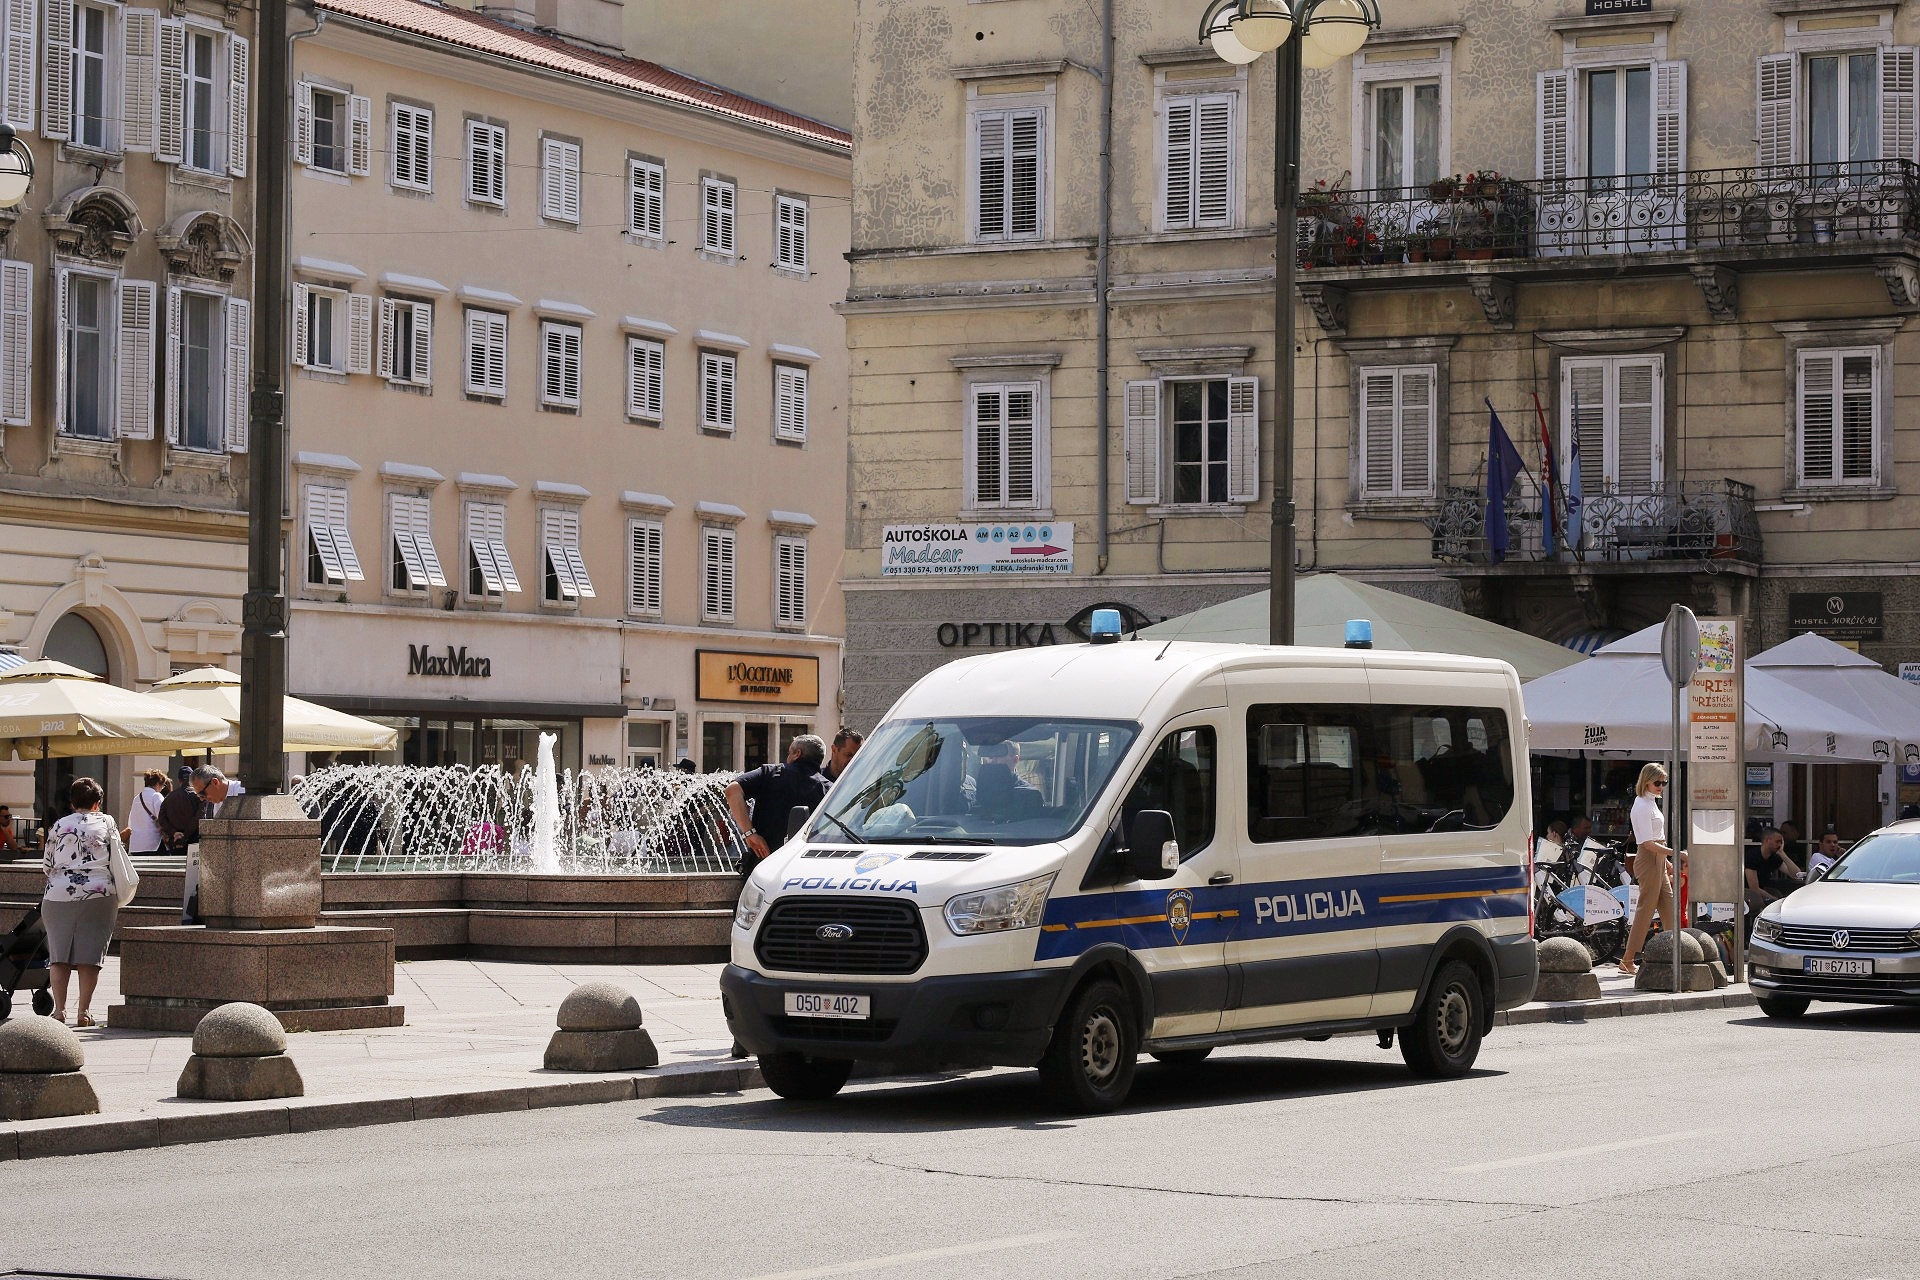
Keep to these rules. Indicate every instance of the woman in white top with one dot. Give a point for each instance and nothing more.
(1649, 862)
(80, 904)
(143, 819)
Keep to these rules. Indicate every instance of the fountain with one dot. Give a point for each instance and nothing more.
(546, 809)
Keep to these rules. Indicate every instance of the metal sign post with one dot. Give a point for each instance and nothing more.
(1716, 791)
(1679, 657)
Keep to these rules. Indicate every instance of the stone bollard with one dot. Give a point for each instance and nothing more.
(1656, 964)
(40, 1075)
(600, 1031)
(240, 1055)
(1716, 959)
(1566, 971)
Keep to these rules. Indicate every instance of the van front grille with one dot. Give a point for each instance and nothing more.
(882, 936)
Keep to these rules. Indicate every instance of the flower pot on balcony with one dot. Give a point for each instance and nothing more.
(1342, 253)
(1490, 190)
(1440, 248)
(1482, 253)
(1416, 253)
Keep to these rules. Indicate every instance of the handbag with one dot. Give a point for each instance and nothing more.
(126, 881)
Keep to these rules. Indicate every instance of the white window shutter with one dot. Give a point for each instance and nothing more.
(985, 480)
(420, 524)
(301, 345)
(422, 343)
(170, 95)
(359, 135)
(133, 400)
(1415, 431)
(239, 372)
(1670, 121)
(1026, 184)
(1777, 122)
(56, 98)
(303, 123)
(645, 377)
(22, 47)
(1817, 416)
(1243, 439)
(171, 394)
(1213, 184)
(239, 120)
(1637, 416)
(643, 567)
(1143, 442)
(383, 356)
(790, 402)
(550, 200)
(1179, 127)
(1023, 446)
(139, 38)
(1899, 129)
(62, 311)
(359, 333)
(1379, 425)
(16, 343)
(990, 175)
(1584, 401)
(1554, 114)
(790, 249)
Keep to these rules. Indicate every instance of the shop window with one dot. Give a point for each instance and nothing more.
(646, 744)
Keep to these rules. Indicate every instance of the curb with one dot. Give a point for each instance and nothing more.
(1622, 1007)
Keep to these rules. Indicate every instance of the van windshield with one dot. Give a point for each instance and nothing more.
(973, 780)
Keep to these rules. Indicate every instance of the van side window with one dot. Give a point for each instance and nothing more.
(1307, 774)
(1181, 778)
(1442, 768)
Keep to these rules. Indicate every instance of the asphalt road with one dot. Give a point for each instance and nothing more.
(1699, 1144)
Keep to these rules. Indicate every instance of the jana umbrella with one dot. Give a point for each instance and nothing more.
(1859, 686)
(51, 709)
(1325, 601)
(1619, 701)
(215, 691)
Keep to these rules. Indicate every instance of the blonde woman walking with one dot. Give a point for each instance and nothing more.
(1650, 869)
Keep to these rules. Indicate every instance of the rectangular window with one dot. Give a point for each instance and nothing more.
(790, 403)
(412, 147)
(716, 575)
(1005, 445)
(716, 215)
(1009, 175)
(645, 566)
(1182, 779)
(1619, 122)
(1839, 417)
(320, 337)
(329, 130)
(490, 572)
(1615, 407)
(1397, 432)
(414, 565)
(203, 131)
(717, 370)
(198, 349)
(406, 342)
(1406, 134)
(646, 380)
(92, 91)
(560, 180)
(1198, 161)
(564, 570)
(487, 163)
(790, 582)
(1843, 107)
(1208, 430)
(1198, 414)
(87, 389)
(559, 364)
(486, 363)
(790, 233)
(646, 199)
(331, 560)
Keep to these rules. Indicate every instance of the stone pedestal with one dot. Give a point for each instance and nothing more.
(1698, 972)
(1566, 971)
(321, 979)
(260, 865)
(68, 1093)
(600, 1031)
(240, 1055)
(40, 1075)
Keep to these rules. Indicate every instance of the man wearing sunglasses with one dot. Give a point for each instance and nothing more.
(1650, 869)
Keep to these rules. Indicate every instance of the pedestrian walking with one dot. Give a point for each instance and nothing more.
(775, 789)
(143, 818)
(179, 819)
(846, 745)
(1650, 869)
(80, 903)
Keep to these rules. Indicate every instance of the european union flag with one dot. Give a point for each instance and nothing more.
(1503, 470)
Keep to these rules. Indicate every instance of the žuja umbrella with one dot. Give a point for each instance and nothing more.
(215, 691)
(51, 709)
(1859, 686)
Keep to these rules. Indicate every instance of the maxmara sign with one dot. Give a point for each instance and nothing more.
(424, 660)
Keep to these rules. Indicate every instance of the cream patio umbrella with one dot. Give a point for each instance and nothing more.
(50, 709)
(1861, 687)
(215, 691)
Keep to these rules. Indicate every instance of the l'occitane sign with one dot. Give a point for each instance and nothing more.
(785, 679)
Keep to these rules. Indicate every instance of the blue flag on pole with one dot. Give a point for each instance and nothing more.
(1503, 470)
(1576, 500)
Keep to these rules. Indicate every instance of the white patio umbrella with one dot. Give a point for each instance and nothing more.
(1859, 686)
(215, 691)
(1619, 701)
(50, 709)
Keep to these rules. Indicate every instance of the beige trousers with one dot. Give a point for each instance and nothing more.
(1656, 892)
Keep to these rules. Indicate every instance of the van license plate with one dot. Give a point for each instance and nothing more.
(807, 1004)
(1839, 968)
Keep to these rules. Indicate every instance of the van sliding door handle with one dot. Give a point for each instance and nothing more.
(1220, 877)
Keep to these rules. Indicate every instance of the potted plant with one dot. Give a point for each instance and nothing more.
(1416, 248)
(1441, 190)
(1323, 197)
(1486, 184)
(1476, 237)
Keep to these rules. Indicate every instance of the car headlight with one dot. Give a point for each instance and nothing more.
(747, 910)
(1769, 927)
(1913, 936)
(1011, 906)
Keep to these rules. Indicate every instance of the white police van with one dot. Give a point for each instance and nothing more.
(1065, 856)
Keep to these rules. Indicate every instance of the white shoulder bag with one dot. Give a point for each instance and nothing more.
(126, 881)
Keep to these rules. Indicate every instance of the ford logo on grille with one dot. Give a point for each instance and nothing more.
(841, 932)
(1840, 940)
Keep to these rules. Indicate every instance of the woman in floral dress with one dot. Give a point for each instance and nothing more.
(80, 903)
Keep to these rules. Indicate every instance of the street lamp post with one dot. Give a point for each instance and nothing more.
(1240, 31)
(16, 168)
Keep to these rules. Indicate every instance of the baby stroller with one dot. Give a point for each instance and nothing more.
(23, 963)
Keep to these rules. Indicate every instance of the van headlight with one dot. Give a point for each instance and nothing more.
(1011, 906)
(747, 910)
(1767, 928)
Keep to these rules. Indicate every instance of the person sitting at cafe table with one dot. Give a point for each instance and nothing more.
(7, 842)
(1771, 874)
(1827, 854)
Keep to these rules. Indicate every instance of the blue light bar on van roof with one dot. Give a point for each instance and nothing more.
(1359, 633)
(1105, 626)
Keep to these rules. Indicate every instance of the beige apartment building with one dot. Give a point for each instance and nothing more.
(125, 342)
(567, 399)
(1723, 324)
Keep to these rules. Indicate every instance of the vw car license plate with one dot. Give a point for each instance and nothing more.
(1839, 968)
(807, 1004)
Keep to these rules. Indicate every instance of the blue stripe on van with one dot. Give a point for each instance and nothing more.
(1206, 914)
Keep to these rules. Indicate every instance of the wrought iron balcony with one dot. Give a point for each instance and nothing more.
(1699, 520)
(1777, 206)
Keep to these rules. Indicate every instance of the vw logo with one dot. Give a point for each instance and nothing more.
(1840, 940)
(841, 932)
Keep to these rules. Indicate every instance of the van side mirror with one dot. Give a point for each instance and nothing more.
(1152, 851)
(796, 819)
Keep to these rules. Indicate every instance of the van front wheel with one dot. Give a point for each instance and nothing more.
(800, 1077)
(1089, 1064)
(1444, 1039)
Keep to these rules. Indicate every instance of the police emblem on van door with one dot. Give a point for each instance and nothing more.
(1179, 913)
(873, 862)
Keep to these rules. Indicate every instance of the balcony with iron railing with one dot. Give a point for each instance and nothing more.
(1664, 525)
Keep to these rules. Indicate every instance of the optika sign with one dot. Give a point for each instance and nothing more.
(422, 661)
(1286, 908)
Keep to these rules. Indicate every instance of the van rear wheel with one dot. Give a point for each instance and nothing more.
(1444, 1039)
(1089, 1064)
(800, 1077)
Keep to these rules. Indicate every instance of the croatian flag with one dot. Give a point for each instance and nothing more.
(1547, 473)
(1576, 501)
